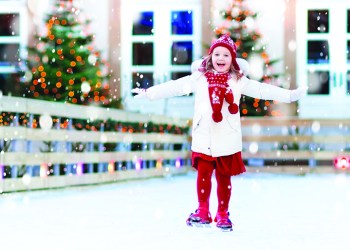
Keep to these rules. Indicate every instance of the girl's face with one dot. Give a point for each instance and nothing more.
(221, 59)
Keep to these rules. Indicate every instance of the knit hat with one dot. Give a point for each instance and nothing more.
(227, 42)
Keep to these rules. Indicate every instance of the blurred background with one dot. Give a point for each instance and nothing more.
(67, 68)
(287, 43)
(68, 118)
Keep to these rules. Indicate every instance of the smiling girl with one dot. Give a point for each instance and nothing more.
(216, 133)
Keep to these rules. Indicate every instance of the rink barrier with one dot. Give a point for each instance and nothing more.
(24, 165)
(284, 145)
(32, 106)
(293, 145)
(28, 183)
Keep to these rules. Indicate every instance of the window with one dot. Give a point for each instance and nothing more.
(348, 51)
(348, 17)
(12, 43)
(9, 53)
(142, 54)
(318, 21)
(9, 24)
(318, 52)
(181, 53)
(181, 23)
(142, 80)
(10, 83)
(9, 38)
(318, 83)
(348, 83)
(143, 23)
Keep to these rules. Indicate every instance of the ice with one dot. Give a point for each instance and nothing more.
(269, 211)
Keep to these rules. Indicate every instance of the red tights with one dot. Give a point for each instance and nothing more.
(205, 171)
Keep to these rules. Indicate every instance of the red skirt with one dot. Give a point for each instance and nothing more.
(226, 165)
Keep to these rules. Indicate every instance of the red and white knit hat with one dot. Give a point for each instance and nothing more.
(227, 42)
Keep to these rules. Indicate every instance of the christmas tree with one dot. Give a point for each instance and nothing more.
(239, 24)
(64, 64)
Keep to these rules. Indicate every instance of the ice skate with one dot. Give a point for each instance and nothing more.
(201, 218)
(223, 222)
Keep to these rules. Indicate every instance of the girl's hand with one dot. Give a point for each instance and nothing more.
(298, 93)
(140, 93)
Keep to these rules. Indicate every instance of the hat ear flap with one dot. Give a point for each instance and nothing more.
(243, 65)
(235, 65)
(196, 65)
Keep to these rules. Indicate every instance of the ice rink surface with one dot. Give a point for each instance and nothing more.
(270, 211)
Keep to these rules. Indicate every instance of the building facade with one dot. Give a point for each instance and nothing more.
(152, 41)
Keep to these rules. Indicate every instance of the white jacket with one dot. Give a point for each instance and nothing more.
(209, 137)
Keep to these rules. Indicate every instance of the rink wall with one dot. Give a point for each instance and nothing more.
(50, 145)
(53, 145)
(297, 146)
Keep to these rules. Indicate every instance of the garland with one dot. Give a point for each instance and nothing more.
(23, 119)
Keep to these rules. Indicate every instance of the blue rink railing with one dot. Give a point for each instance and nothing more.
(60, 153)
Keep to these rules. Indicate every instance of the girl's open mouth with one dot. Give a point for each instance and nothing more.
(221, 65)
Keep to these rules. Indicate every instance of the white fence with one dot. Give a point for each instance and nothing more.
(297, 145)
(61, 153)
(57, 154)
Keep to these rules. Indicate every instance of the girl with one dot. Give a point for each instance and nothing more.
(216, 134)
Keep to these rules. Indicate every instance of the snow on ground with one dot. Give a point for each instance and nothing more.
(270, 211)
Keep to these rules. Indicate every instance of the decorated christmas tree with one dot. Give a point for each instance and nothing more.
(239, 23)
(64, 64)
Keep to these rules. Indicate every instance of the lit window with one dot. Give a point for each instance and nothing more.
(181, 23)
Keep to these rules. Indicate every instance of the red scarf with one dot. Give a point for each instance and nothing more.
(219, 90)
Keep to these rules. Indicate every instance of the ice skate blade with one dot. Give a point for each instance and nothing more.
(197, 224)
(228, 229)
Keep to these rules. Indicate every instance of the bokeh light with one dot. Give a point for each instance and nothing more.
(45, 122)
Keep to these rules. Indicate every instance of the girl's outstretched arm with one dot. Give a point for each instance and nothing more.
(182, 86)
(265, 91)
